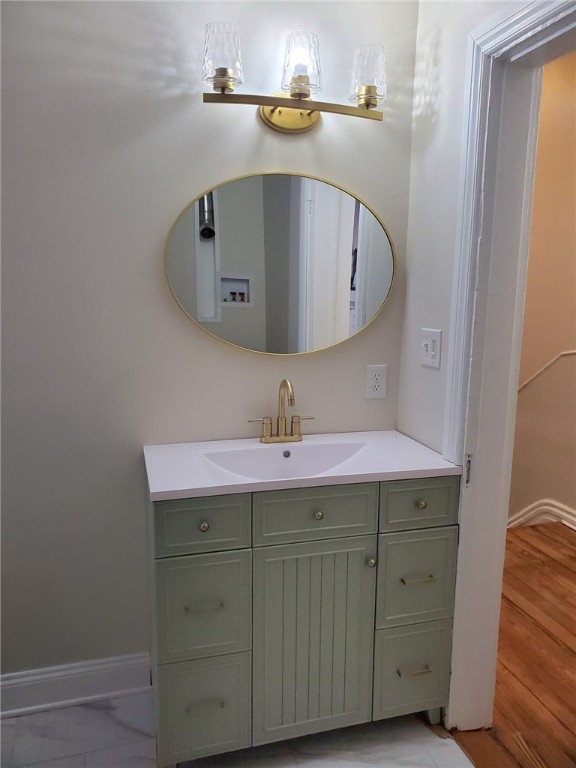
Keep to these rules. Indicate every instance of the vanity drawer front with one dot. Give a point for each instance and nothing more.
(307, 514)
(424, 503)
(411, 668)
(204, 707)
(416, 576)
(184, 526)
(204, 605)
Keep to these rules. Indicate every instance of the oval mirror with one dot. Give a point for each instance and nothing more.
(279, 263)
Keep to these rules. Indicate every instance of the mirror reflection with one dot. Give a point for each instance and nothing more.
(279, 263)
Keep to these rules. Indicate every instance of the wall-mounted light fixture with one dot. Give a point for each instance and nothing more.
(292, 110)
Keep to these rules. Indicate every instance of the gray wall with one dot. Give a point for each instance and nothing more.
(441, 98)
(105, 141)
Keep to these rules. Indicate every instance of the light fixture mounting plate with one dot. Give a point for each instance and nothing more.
(293, 118)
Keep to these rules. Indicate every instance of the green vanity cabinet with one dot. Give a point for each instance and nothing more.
(308, 514)
(416, 576)
(202, 642)
(411, 668)
(204, 605)
(313, 636)
(287, 612)
(204, 707)
(420, 503)
(186, 526)
(417, 552)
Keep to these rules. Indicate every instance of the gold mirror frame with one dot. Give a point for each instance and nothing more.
(279, 173)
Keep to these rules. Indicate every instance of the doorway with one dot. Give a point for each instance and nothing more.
(534, 718)
(505, 71)
(543, 486)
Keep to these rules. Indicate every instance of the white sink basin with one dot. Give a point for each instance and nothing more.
(284, 460)
(217, 467)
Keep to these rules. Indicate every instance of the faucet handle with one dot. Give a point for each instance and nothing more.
(296, 431)
(266, 426)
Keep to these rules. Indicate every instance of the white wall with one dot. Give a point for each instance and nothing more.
(105, 141)
(440, 100)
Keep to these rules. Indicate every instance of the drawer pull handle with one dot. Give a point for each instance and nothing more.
(204, 526)
(421, 504)
(415, 672)
(421, 580)
(204, 606)
(371, 562)
(319, 515)
(216, 703)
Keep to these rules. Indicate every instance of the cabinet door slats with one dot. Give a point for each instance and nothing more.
(356, 630)
(327, 632)
(341, 573)
(314, 634)
(289, 592)
(311, 667)
(303, 637)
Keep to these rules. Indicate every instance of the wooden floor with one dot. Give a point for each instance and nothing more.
(534, 723)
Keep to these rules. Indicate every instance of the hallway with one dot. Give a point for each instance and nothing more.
(534, 722)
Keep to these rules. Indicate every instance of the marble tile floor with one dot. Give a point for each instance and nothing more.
(119, 733)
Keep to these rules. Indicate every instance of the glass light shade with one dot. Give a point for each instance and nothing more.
(368, 86)
(302, 74)
(222, 64)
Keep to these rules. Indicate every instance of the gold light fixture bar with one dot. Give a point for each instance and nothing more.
(287, 114)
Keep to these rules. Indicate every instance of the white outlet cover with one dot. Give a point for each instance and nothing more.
(376, 381)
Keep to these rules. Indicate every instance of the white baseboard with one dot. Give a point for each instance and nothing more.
(544, 511)
(36, 690)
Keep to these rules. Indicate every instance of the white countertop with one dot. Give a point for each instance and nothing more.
(180, 470)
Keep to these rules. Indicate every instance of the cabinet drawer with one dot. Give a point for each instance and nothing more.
(416, 576)
(204, 707)
(209, 524)
(306, 514)
(407, 504)
(204, 605)
(411, 668)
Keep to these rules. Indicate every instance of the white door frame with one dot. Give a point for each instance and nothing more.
(504, 75)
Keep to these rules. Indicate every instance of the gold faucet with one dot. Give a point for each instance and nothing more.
(285, 395)
(285, 392)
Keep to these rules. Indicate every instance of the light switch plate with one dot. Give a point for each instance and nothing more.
(431, 347)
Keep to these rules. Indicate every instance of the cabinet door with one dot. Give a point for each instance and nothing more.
(313, 636)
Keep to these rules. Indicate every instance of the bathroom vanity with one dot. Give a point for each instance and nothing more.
(289, 600)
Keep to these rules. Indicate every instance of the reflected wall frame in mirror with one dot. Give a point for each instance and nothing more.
(280, 263)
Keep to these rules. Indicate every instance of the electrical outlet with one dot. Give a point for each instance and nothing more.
(431, 346)
(376, 381)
